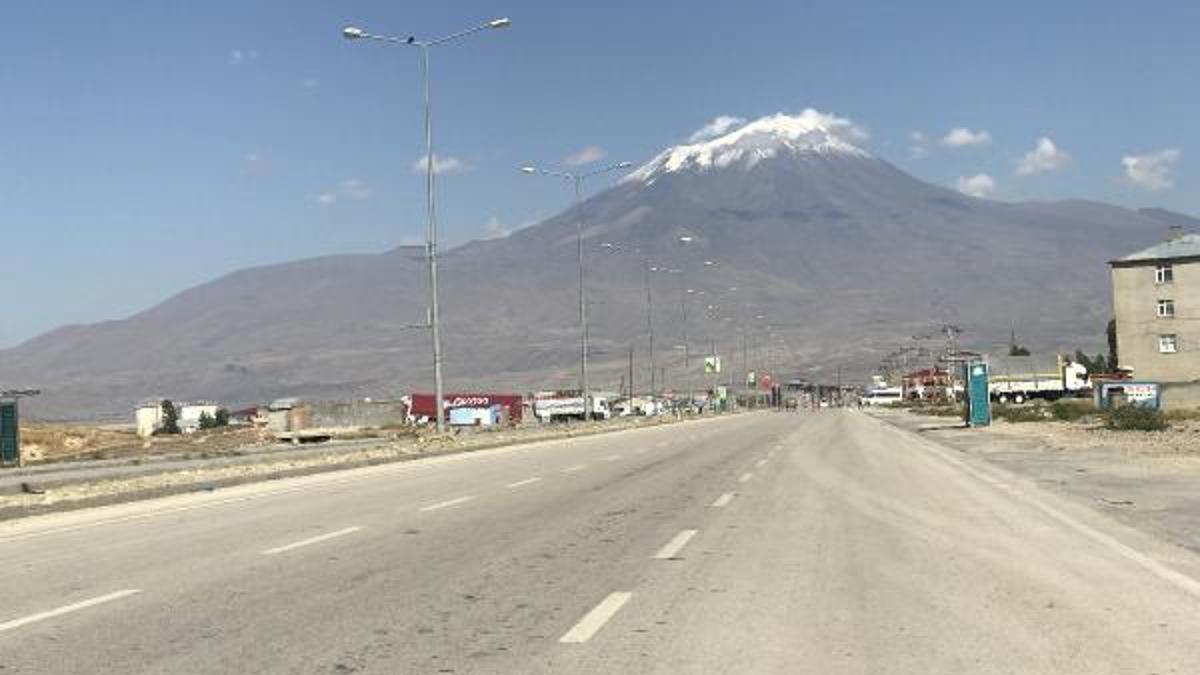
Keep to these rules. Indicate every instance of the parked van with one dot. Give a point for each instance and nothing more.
(883, 396)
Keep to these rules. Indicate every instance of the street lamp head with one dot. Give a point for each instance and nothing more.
(528, 169)
(708, 263)
(685, 239)
(353, 33)
(502, 22)
(624, 165)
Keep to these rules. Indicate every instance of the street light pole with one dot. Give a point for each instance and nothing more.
(577, 180)
(431, 234)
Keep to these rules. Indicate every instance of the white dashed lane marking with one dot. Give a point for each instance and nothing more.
(595, 619)
(66, 609)
(745, 477)
(723, 500)
(521, 483)
(311, 540)
(446, 504)
(673, 547)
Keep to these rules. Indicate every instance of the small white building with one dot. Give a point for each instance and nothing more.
(149, 417)
(190, 414)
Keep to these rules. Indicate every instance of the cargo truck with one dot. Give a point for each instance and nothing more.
(1016, 381)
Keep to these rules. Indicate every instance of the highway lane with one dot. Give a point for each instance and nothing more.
(775, 543)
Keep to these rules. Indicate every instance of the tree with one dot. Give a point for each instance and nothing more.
(1017, 350)
(222, 418)
(170, 423)
(206, 421)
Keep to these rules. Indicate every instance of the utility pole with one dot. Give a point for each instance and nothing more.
(649, 323)
(631, 372)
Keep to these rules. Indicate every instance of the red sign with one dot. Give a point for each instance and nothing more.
(423, 405)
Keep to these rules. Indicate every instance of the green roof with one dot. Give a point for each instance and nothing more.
(1186, 246)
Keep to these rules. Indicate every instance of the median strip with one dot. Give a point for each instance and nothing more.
(446, 504)
(312, 540)
(594, 620)
(67, 609)
(673, 547)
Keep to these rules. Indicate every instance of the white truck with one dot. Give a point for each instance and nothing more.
(1013, 382)
(564, 407)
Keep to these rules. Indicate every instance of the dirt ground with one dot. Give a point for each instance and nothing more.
(50, 442)
(1183, 438)
(1148, 480)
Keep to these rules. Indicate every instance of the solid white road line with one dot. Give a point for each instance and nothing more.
(519, 483)
(312, 540)
(595, 619)
(760, 463)
(449, 502)
(42, 616)
(723, 500)
(577, 467)
(673, 547)
(745, 477)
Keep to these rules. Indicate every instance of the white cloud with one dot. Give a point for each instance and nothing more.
(239, 56)
(591, 153)
(979, 185)
(494, 229)
(1152, 170)
(1045, 156)
(918, 144)
(351, 188)
(960, 137)
(720, 126)
(441, 165)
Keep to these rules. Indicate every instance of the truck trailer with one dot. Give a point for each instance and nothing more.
(1016, 381)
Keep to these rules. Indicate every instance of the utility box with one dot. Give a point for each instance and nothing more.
(10, 437)
(979, 400)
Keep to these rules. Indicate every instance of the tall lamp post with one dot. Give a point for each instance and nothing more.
(577, 179)
(431, 250)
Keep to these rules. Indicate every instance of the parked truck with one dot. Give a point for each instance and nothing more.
(565, 406)
(1017, 379)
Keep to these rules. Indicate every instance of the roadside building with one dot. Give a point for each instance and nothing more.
(1156, 300)
(149, 417)
(190, 414)
(928, 384)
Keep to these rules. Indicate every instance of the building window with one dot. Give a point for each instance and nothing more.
(1166, 344)
(1164, 274)
(1166, 309)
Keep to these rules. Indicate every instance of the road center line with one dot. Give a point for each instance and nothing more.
(577, 467)
(449, 502)
(673, 547)
(745, 477)
(760, 463)
(527, 481)
(723, 500)
(595, 619)
(312, 540)
(67, 609)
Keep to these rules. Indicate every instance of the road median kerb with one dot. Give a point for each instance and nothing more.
(86, 493)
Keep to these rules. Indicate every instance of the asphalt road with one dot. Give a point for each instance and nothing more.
(765, 543)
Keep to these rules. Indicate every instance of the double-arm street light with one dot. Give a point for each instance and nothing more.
(577, 179)
(431, 251)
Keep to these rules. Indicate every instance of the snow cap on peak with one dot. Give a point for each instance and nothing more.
(810, 132)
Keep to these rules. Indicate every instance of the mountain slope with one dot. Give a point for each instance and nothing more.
(846, 255)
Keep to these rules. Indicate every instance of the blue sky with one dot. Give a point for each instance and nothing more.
(149, 146)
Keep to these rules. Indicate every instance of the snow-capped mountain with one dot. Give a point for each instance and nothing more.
(797, 136)
(847, 256)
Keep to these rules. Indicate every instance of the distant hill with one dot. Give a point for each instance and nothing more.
(845, 255)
